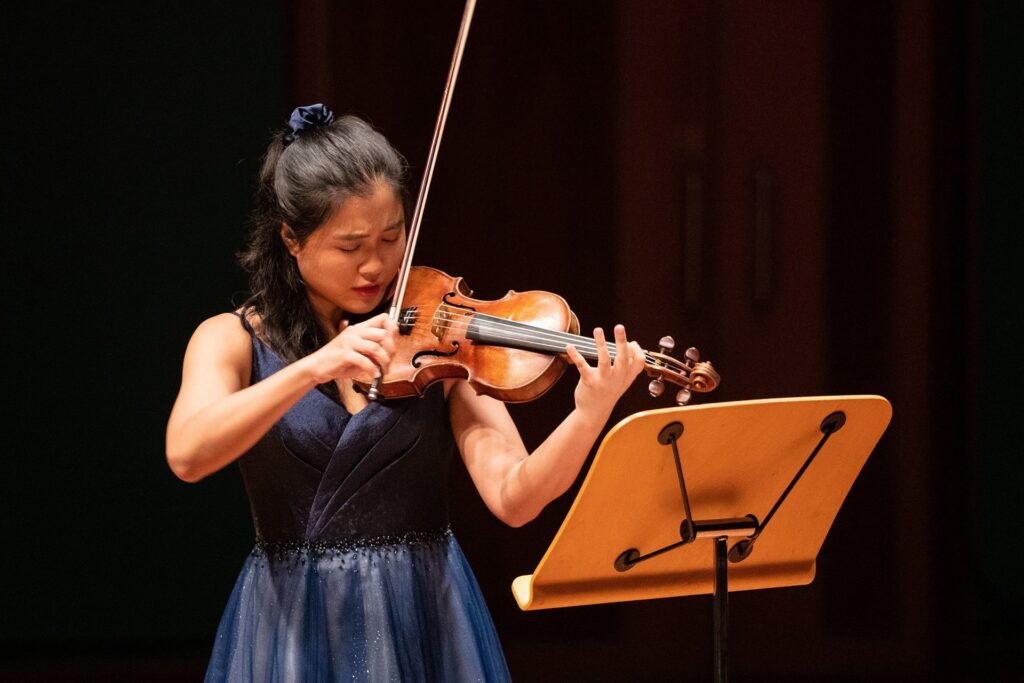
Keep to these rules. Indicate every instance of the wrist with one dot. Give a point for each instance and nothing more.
(592, 417)
(306, 369)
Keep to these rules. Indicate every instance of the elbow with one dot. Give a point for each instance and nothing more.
(517, 518)
(517, 508)
(183, 466)
(184, 471)
(517, 522)
(524, 512)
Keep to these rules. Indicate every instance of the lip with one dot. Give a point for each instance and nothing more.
(367, 292)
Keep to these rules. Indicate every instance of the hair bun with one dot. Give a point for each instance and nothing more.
(310, 116)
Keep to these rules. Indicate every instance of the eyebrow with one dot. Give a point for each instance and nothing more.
(361, 234)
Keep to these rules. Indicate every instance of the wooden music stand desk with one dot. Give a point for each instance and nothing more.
(675, 496)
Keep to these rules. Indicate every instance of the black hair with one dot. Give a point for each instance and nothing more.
(300, 184)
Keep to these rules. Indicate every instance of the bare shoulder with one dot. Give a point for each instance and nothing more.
(218, 362)
(225, 328)
(222, 341)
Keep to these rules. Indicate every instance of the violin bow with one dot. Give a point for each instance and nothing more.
(402, 278)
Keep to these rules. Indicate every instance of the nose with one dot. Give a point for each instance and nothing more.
(371, 268)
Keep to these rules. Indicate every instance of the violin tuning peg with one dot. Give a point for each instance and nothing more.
(667, 344)
(692, 354)
(682, 397)
(656, 388)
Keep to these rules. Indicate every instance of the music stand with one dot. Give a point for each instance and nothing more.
(768, 474)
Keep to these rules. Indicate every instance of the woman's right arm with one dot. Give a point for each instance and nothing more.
(217, 416)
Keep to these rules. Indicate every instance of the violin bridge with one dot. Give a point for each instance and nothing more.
(407, 320)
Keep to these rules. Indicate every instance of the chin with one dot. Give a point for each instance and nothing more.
(361, 306)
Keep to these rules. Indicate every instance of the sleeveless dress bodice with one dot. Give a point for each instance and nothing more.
(355, 575)
(321, 475)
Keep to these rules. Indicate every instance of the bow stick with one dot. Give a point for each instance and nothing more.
(428, 172)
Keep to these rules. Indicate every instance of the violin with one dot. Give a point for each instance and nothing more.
(512, 349)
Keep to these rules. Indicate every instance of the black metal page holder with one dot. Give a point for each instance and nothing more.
(721, 530)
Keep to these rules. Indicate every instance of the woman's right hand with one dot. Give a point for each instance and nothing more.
(359, 351)
(220, 413)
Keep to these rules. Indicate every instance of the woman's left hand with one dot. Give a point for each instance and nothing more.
(600, 387)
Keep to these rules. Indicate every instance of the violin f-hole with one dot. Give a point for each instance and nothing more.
(435, 353)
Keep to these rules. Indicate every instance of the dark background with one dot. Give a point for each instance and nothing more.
(824, 197)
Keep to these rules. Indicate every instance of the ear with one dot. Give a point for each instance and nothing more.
(291, 242)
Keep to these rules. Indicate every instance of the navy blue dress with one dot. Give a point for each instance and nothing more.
(356, 575)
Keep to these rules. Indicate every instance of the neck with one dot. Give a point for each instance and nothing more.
(327, 315)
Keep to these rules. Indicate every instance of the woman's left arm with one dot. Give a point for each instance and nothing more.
(516, 485)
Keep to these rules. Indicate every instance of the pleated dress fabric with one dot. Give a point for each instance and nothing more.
(355, 575)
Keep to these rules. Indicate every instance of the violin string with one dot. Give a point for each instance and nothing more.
(527, 333)
(552, 340)
(523, 332)
(458, 321)
(555, 346)
(548, 340)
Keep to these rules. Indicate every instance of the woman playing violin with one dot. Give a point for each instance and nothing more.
(355, 574)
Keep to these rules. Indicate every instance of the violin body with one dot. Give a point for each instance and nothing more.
(512, 349)
(441, 336)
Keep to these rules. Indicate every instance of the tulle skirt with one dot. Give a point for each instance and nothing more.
(407, 610)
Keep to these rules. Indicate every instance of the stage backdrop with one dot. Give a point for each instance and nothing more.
(823, 197)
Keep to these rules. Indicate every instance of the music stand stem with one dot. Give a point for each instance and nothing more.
(721, 609)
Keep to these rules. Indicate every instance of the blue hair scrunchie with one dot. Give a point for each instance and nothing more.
(307, 117)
